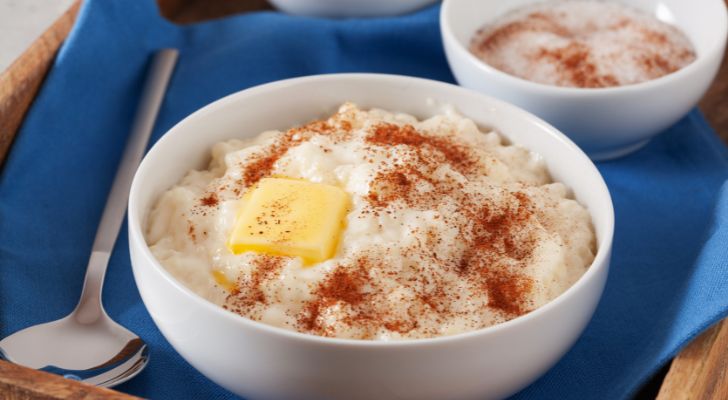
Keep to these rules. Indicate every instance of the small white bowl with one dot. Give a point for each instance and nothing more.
(349, 8)
(605, 122)
(259, 361)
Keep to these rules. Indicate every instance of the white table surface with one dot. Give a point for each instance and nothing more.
(23, 21)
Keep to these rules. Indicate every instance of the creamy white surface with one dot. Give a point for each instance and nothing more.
(589, 40)
(563, 229)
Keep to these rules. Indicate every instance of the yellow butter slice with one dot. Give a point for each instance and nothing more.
(290, 217)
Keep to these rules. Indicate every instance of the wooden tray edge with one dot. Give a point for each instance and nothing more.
(20, 83)
(698, 372)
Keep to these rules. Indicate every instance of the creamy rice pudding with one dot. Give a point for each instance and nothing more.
(373, 225)
(587, 44)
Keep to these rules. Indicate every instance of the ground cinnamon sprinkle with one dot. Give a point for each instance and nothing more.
(499, 248)
(400, 183)
(191, 231)
(343, 285)
(535, 22)
(494, 237)
(658, 64)
(345, 125)
(364, 295)
(249, 292)
(401, 326)
(261, 167)
(506, 291)
(210, 200)
(262, 164)
(454, 153)
(574, 62)
(586, 44)
(498, 228)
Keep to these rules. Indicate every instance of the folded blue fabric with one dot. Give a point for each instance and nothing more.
(668, 280)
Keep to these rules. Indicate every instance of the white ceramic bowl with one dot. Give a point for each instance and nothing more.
(349, 8)
(607, 122)
(259, 361)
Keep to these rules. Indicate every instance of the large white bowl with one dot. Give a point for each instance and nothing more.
(605, 122)
(259, 361)
(349, 8)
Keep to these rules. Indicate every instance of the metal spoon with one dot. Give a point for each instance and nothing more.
(88, 345)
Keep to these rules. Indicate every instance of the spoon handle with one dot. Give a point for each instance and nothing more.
(89, 307)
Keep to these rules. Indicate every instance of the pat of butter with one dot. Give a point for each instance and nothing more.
(290, 217)
(223, 281)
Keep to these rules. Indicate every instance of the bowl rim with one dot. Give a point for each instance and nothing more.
(713, 53)
(343, 9)
(137, 216)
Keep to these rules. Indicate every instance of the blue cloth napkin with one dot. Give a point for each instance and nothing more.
(668, 280)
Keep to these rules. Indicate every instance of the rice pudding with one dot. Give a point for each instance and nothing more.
(586, 44)
(373, 225)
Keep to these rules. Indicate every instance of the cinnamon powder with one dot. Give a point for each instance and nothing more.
(249, 292)
(210, 200)
(586, 44)
(495, 235)
(262, 164)
(453, 153)
(342, 285)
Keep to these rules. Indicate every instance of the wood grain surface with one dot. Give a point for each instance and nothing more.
(19, 383)
(700, 371)
(714, 104)
(189, 11)
(20, 82)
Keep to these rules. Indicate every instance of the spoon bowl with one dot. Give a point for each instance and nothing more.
(101, 352)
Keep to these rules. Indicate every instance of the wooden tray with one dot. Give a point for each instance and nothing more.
(698, 372)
